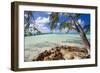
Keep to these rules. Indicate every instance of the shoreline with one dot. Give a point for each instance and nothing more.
(34, 52)
(63, 52)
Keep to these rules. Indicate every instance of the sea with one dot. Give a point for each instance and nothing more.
(34, 45)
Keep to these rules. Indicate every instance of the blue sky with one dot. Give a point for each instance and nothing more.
(41, 20)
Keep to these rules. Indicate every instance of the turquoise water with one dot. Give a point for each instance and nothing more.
(41, 41)
(35, 44)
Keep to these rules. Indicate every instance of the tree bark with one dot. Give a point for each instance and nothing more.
(84, 38)
(82, 35)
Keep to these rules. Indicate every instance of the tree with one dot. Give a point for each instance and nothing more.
(54, 17)
(71, 24)
(28, 17)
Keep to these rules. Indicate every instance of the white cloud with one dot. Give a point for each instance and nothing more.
(31, 25)
(58, 24)
(26, 15)
(40, 24)
(61, 13)
(44, 29)
(81, 21)
(42, 20)
(49, 13)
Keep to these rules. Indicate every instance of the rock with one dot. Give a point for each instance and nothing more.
(63, 53)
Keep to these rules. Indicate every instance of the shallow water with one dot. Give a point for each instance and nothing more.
(37, 44)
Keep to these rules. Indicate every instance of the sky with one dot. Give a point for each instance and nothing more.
(41, 21)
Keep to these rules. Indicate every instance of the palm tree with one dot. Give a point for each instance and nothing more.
(71, 24)
(28, 17)
(54, 17)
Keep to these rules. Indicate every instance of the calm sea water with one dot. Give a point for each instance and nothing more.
(36, 44)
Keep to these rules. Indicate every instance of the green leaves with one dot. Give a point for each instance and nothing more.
(77, 23)
(53, 20)
(66, 25)
(27, 19)
(54, 17)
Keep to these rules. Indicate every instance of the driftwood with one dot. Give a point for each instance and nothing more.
(63, 53)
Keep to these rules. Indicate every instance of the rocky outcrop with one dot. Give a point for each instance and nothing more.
(63, 53)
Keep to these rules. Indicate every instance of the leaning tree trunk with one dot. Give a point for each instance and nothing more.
(85, 42)
(84, 38)
(82, 35)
